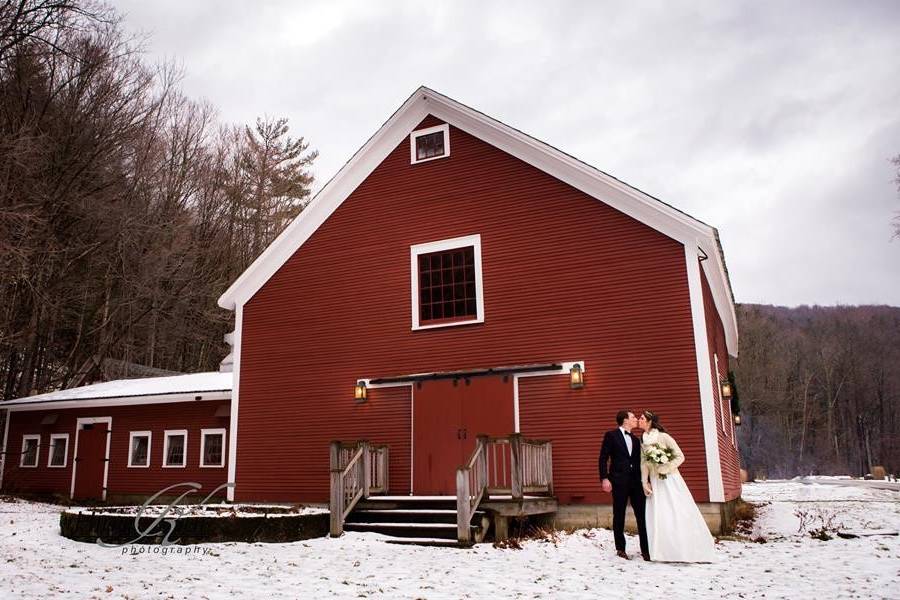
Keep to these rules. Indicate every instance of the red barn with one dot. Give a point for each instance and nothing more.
(459, 269)
(459, 278)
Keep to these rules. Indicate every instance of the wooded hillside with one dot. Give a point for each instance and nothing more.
(819, 389)
(126, 207)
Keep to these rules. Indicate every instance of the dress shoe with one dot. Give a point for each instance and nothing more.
(646, 556)
(622, 554)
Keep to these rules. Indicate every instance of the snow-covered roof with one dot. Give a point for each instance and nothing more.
(150, 388)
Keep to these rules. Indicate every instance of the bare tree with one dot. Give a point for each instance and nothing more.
(39, 24)
(125, 208)
(819, 388)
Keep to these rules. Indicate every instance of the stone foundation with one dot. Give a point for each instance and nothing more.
(87, 526)
(719, 516)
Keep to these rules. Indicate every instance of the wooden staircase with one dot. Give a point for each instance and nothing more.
(416, 520)
(490, 487)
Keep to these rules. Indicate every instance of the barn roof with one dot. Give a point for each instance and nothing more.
(134, 390)
(651, 211)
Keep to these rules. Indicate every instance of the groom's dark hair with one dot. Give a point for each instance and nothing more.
(621, 416)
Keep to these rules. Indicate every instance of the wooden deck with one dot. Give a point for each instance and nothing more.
(506, 477)
(503, 508)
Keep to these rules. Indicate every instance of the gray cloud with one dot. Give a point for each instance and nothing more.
(773, 121)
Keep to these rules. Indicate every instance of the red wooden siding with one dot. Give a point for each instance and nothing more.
(565, 278)
(550, 410)
(728, 453)
(192, 416)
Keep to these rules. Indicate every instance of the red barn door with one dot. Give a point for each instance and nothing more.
(447, 416)
(90, 461)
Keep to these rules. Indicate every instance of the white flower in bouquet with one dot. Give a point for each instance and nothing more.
(657, 455)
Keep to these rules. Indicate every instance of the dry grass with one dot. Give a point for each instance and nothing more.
(744, 517)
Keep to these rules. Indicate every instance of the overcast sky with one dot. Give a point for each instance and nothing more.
(774, 122)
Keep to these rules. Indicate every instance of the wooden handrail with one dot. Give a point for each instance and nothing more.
(471, 486)
(357, 470)
(501, 465)
(351, 464)
(505, 439)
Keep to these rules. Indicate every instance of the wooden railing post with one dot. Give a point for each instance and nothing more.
(336, 501)
(366, 480)
(385, 461)
(515, 465)
(549, 455)
(482, 468)
(463, 518)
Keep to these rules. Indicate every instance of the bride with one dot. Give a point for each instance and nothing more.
(675, 527)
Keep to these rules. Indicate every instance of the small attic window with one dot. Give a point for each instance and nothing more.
(429, 144)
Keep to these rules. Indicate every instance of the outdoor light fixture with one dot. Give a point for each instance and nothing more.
(576, 377)
(737, 420)
(726, 388)
(359, 392)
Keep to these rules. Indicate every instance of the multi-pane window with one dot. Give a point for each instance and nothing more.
(430, 143)
(30, 447)
(59, 447)
(139, 449)
(212, 448)
(175, 449)
(447, 285)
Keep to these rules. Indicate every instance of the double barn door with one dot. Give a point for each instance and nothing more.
(448, 414)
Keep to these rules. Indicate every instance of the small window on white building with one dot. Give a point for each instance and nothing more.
(139, 449)
(430, 143)
(31, 447)
(59, 450)
(212, 447)
(175, 448)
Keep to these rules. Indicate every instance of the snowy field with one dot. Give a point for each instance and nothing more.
(36, 562)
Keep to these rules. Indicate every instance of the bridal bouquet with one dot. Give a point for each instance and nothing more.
(658, 455)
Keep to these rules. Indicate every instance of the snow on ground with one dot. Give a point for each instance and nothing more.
(36, 562)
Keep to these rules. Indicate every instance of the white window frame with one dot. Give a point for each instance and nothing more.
(131, 436)
(171, 433)
(719, 394)
(429, 130)
(203, 433)
(53, 438)
(37, 452)
(440, 246)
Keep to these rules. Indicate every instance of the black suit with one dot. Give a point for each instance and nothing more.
(624, 472)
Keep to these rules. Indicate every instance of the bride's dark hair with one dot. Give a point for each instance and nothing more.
(653, 419)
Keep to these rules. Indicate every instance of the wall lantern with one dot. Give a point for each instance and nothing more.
(359, 392)
(737, 420)
(576, 377)
(726, 388)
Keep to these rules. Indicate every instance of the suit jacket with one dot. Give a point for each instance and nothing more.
(616, 464)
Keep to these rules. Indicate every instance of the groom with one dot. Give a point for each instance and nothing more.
(620, 472)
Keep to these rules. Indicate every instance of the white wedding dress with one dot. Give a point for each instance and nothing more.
(676, 530)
